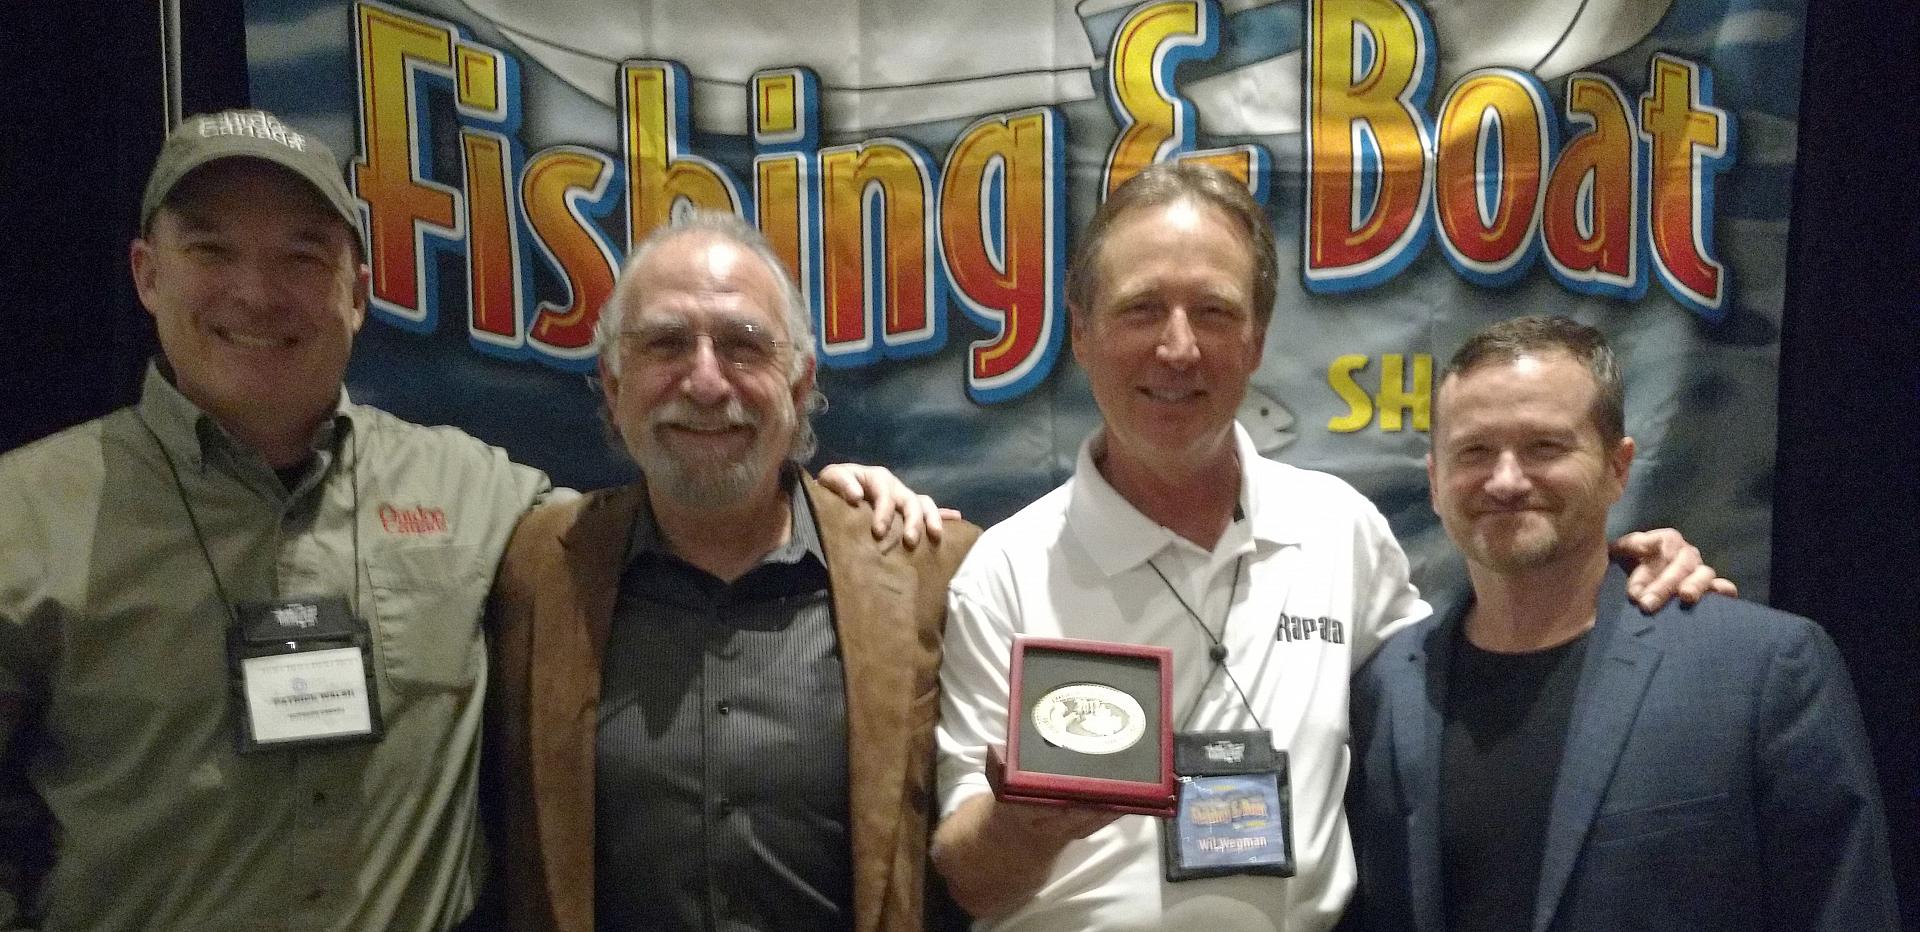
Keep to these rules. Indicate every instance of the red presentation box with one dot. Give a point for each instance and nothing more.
(1089, 723)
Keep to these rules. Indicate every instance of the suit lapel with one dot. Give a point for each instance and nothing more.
(1418, 719)
(872, 590)
(1619, 664)
(569, 638)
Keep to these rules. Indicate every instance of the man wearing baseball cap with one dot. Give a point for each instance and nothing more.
(241, 659)
(240, 656)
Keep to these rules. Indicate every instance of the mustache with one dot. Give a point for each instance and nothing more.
(680, 412)
(1514, 507)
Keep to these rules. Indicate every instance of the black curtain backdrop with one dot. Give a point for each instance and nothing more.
(83, 104)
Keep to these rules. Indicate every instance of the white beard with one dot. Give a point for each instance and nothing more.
(711, 482)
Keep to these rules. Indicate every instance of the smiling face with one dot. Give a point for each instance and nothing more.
(255, 293)
(1520, 475)
(706, 398)
(1170, 338)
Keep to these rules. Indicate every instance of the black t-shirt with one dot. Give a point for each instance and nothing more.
(1506, 725)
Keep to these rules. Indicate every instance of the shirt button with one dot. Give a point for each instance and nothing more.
(723, 707)
(724, 804)
(319, 797)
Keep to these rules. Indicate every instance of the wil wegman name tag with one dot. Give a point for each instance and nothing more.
(1089, 724)
(1236, 807)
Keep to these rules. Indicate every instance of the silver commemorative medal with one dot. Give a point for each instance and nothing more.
(1090, 718)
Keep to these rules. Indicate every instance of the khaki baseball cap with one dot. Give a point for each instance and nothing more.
(252, 134)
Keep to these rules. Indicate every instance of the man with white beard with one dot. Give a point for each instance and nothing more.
(717, 690)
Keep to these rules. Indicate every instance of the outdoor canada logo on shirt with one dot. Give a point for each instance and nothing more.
(415, 520)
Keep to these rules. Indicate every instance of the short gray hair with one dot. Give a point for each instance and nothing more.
(727, 227)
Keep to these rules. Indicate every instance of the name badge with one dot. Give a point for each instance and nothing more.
(307, 695)
(1235, 808)
(302, 674)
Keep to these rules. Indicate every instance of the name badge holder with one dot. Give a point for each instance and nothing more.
(1235, 811)
(301, 675)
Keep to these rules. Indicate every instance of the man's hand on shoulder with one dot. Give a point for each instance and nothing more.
(890, 498)
(1665, 565)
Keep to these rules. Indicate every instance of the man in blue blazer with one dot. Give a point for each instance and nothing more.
(1547, 757)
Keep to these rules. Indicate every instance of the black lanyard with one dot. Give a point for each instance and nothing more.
(1217, 651)
(353, 482)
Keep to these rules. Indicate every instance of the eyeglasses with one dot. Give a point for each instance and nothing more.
(742, 345)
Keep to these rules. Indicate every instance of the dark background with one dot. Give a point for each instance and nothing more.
(83, 106)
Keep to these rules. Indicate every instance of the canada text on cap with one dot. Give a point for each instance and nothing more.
(253, 134)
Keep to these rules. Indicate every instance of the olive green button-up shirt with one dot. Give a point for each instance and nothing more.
(114, 695)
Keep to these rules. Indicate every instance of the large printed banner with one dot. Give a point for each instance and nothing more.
(923, 167)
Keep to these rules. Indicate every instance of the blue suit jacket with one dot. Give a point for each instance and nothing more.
(1715, 776)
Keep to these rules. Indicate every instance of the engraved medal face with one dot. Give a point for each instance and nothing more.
(1090, 718)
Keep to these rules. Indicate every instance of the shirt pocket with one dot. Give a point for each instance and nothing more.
(426, 603)
(1647, 821)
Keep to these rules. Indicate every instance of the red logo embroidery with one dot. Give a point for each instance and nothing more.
(416, 520)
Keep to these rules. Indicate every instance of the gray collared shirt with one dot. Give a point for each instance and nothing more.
(721, 780)
(112, 654)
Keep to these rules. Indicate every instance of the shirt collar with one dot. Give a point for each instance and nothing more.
(1119, 537)
(189, 434)
(1275, 511)
(803, 540)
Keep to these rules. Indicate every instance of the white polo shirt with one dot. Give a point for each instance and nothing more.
(1322, 585)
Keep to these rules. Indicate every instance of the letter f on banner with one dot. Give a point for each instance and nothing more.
(1370, 66)
(410, 217)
